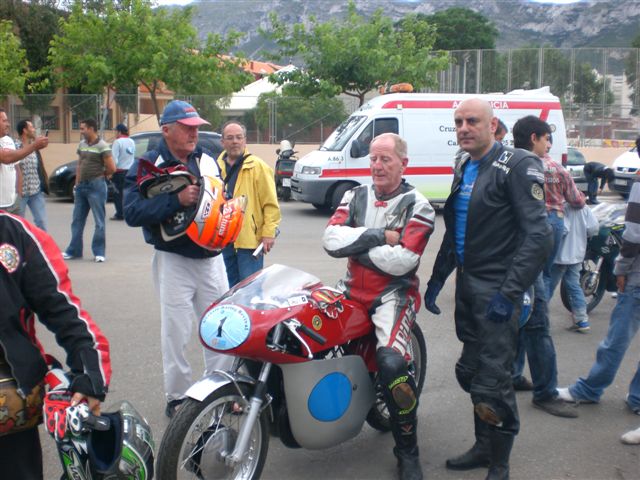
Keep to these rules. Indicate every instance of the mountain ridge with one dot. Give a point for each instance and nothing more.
(585, 24)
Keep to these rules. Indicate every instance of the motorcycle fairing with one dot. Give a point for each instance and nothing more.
(275, 294)
(225, 327)
(328, 400)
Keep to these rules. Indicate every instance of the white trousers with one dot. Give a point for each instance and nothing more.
(186, 287)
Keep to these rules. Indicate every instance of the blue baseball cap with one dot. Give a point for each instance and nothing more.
(181, 112)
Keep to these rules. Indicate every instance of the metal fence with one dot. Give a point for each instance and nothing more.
(599, 89)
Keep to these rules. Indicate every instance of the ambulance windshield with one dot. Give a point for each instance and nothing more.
(341, 135)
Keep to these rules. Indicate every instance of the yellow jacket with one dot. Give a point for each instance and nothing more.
(262, 216)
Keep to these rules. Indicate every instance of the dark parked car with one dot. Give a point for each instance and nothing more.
(63, 178)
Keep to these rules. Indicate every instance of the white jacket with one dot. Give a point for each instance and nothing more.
(580, 224)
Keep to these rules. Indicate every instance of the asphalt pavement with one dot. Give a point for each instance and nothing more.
(120, 297)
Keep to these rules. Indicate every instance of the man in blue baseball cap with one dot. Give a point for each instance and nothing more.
(181, 112)
(187, 277)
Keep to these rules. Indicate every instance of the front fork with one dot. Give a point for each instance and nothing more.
(255, 403)
(595, 274)
(255, 407)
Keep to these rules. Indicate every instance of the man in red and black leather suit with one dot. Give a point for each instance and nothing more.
(383, 229)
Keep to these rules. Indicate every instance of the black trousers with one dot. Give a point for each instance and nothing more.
(485, 365)
(21, 456)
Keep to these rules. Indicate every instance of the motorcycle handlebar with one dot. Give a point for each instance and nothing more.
(315, 336)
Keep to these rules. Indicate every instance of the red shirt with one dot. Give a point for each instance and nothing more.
(559, 187)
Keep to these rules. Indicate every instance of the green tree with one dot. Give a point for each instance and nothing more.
(297, 116)
(36, 23)
(129, 43)
(461, 29)
(589, 88)
(354, 55)
(13, 62)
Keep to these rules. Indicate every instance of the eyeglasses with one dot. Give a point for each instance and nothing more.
(231, 138)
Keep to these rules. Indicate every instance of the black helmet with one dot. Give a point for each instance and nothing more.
(125, 449)
(116, 445)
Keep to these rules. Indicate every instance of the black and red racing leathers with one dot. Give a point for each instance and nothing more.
(34, 279)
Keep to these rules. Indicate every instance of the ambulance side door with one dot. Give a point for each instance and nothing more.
(358, 148)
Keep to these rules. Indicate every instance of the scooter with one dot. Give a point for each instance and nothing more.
(596, 275)
(305, 372)
(284, 170)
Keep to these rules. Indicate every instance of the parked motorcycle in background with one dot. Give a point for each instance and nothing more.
(284, 169)
(596, 276)
(310, 379)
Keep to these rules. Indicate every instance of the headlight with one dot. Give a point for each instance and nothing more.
(311, 170)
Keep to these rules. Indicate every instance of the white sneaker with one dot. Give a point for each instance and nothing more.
(66, 256)
(99, 259)
(565, 395)
(632, 437)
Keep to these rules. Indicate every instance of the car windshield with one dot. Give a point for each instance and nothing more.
(341, 135)
(276, 286)
(575, 157)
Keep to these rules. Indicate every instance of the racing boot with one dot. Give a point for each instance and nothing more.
(399, 392)
(406, 450)
(479, 455)
(501, 444)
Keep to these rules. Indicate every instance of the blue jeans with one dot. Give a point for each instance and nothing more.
(623, 326)
(534, 338)
(36, 204)
(558, 231)
(240, 263)
(118, 183)
(90, 195)
(571, 276)
(592, 187)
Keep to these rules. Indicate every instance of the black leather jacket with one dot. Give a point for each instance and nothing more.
(507, 239)
(34, 278)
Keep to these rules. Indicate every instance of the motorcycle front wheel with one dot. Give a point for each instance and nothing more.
(378, 416)
(202, 434)
(593, 285)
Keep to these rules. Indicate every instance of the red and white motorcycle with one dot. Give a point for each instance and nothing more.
(306, 373)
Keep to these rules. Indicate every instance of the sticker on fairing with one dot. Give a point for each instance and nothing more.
(299, 300)
(225, 327)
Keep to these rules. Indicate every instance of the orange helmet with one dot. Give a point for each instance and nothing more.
(216, 223)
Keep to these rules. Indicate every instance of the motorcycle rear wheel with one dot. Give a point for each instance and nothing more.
(378, 416)
(592, 293)
(200, 431)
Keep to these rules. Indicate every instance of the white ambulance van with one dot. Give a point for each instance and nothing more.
(425, 121)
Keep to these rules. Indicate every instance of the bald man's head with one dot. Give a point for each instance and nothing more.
(475, 127)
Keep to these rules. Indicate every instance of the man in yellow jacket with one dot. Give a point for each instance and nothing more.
(246, 174)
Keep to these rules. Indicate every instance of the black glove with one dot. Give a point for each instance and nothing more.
(499, 309)
(433, 289)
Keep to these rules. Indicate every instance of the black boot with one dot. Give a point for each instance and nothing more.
(501, 444)
(408, 463)
(399, 391)
(479, 455)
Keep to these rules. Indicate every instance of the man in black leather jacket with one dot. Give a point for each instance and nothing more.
(497, 237)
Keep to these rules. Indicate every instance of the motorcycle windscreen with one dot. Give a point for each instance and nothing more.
(327, 400)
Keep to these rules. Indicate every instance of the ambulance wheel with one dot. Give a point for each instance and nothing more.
(338, 193)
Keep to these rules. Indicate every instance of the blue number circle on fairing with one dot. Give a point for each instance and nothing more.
(225, 327)
(330, 398)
